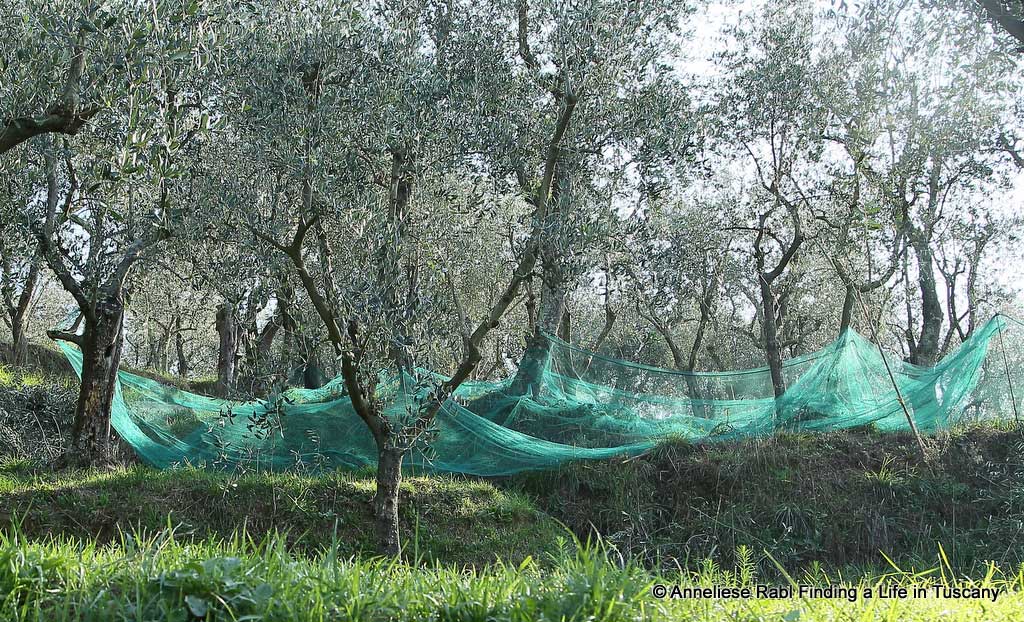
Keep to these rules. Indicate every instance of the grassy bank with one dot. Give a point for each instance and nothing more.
(241, 579)
(833, 503)
(837, 500)
(451, 519)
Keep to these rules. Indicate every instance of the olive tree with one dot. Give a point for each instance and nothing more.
(20, 263)
(111, 195)
(604, 75)
(772, 125)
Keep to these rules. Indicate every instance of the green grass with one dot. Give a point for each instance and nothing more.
(447, 518)
(46, 365)
(161, 577)
(14, 378)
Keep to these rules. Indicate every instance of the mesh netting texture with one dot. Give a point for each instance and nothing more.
(585, 406)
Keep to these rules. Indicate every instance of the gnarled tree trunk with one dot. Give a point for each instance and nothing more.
(538, 348)
(769, 305)
(772, 351)
(19, 341)
(551, 316)
(707, 300)
(926, 350)
(346, 341)
(101, 344)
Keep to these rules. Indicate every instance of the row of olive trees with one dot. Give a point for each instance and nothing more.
(359, 151)
(395, 140)
(410, 182)
(875, 159)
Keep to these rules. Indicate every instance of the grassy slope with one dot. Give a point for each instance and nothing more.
(839, 499)
(452, 519)
(449, 519)
(816, 503)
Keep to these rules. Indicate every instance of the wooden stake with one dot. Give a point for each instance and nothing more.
(888, 370)
(1009, 382)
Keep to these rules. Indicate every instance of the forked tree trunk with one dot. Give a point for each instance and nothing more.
(538, 347)
(102, 307)
(927, 348)
(679, 362)
(385, 502)
(552, 294)
(345, 339)
(771, 309)
(101, 354)
(699, 406)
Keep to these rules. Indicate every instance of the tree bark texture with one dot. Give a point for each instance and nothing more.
(101, 345)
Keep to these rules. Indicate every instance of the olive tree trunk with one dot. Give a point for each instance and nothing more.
(772, 351)
(19, 341)
(227, 353)
(538, 347)
(17, 307)
(926, 350)
(551, 318)
(179, 348)
(101, 344)
(385, 502)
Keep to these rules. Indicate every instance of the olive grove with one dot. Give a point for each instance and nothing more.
(265, 194)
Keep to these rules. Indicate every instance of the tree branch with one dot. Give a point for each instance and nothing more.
(1000, 13)
(524, 43)
(132, 255)
(65, 336)
(65, 116)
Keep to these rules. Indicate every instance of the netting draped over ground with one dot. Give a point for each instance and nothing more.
(585, 406)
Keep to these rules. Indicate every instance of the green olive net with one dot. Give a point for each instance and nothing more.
(584, 406)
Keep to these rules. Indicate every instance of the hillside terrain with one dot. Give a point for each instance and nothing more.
(840, 501)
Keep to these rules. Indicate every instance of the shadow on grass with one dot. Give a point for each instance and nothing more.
(447, 519)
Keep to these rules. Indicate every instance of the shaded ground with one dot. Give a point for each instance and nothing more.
(449, 519)
(838, 500)
(834, 501)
